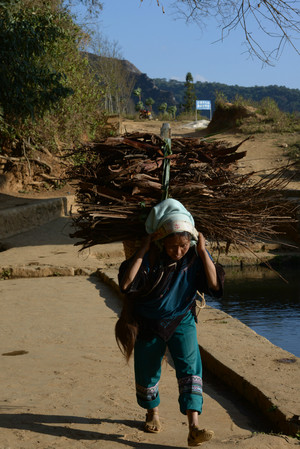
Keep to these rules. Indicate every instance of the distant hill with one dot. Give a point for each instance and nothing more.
(288, 100)
(150, 88)
(172, 91)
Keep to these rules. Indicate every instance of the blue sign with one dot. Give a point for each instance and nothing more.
(203, 105)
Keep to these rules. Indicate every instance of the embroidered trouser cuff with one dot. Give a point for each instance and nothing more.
(185, 353)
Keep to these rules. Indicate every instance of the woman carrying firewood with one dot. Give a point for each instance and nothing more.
(161, 282)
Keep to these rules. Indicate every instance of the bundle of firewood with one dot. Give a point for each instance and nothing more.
(120, 180)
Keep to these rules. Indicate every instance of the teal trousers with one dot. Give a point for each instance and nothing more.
(184, 349)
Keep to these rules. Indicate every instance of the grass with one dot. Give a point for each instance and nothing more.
(257, 117)
(293, 151)
(6, 274)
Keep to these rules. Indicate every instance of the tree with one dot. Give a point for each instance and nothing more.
(278, 20)
(31, 80)
(149, 102)
(48, 93)
(139, 106)
(116, 81)
(172, 111)
(163, 107)
(138, 93)
(189, 95)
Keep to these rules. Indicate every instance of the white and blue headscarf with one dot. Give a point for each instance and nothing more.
(168, 217)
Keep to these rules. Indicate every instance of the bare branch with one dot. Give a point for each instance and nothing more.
(276, 19)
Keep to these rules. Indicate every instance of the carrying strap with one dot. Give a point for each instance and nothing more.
(166, 169)
(202, 303)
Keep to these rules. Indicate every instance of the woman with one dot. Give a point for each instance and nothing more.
(161, 282)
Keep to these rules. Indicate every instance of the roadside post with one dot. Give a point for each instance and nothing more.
(165, 133)
(203, 105)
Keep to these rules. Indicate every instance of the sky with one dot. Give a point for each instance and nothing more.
(162, 46)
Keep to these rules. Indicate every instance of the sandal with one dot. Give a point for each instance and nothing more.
(152, 423)
(198, 436)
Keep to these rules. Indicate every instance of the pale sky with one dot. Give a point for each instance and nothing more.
(163, 47)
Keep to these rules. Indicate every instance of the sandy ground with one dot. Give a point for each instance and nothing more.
(264, 151)
(70, 387)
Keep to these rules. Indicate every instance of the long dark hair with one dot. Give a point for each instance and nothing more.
(126, 329)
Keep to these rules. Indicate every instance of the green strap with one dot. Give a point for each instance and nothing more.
(166, 169)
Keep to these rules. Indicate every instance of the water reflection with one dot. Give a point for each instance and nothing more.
(264, 302)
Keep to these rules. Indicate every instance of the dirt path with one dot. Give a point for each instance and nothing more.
(264, 151)
(70, 387)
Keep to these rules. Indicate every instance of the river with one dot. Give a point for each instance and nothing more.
(264, 302)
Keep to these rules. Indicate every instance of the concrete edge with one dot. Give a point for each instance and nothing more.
(15, 220)
(279, 418)
(23, 272)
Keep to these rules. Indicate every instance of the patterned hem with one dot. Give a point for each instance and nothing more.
(147, 394)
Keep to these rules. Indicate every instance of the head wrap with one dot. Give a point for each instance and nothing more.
(168, 217)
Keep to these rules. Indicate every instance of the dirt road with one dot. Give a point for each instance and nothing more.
(264, 151)
(70, 387)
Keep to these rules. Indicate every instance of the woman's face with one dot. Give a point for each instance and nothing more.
(176, 246)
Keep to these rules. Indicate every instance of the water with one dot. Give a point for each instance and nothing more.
(264, 302)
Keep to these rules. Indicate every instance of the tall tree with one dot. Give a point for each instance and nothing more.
(138, 93)
(149, 102)
(163, 107)
(30, 77)
(172, 111)
(116, 81)
(189, 94)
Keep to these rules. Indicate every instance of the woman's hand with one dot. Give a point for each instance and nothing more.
(146, 242)
(201, 243)
(136, 262)
(209, 266)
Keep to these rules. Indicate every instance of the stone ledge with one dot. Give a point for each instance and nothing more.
(15, 220)
(19, 272)
(253, 367)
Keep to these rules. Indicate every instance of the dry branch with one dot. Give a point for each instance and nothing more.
(120, 181)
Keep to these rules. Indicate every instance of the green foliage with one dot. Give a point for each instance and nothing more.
(31, 79)
(149, 102)
(163, 107)
(267, 117)
(189, 98)
(293, 151)
(6, 273)
(186, 116)
(139, 106)
(268, 107)
(172, 111)
(220, 99)
(253, 117)
(288, 100)
(51, 96)
(138, 92)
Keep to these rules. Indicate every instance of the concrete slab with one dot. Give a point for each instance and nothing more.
(64, 382)
(49, 250)
(18, 215)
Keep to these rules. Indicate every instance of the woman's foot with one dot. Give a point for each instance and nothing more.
(152, 423)
(198, 436)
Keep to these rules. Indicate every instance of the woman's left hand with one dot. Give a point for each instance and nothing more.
(201, 242)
